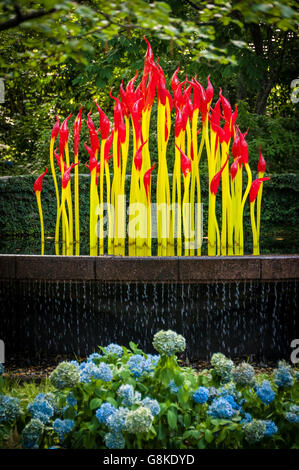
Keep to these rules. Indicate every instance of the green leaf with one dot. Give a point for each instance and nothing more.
(232, 427)
(125, 374)
(222, 436)
(209, 436)
(187, 420)
(161, 432)
(183, 395)
(172, 418)
(179, 379)
(201, 443)
(95, 403)
(112, 401)
(69, 413)
(93, 425)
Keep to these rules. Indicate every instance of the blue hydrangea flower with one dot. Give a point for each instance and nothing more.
(116, 421)
(247, 418)
(173, 387)
(63, 427)
(265, 392)
(105, 410)
(213, 393)
(136, 364)
(271, 428)
(93, 356)
(151, 362)
(168, 343)
(293, 414)
(10, 408)
(41, 409)
(221, 408)
(104, 372)
(230, 389)
(90, 371)
(114, 440)
(201, 395)
(32, 433)
(296, 375)
(49, 397)
(71, 400)
(283, 376)
(127, 394)
(152, 405)
(232, 402)
(1, 368)
(113, 348)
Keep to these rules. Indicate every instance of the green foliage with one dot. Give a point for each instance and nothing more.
(278, 137)
(174, 417)
(73, 53)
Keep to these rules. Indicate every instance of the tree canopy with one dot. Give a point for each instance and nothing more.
(58, 54)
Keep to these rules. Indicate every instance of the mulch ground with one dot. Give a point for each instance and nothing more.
(27, 372)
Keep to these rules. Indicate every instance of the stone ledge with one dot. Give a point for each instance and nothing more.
(142, 269)
(149, 269)
(55, 267)
(219, 268)
(280, 267)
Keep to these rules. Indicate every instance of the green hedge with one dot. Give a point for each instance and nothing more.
(19, 214)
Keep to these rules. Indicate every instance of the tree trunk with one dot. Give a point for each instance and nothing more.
(262, 97)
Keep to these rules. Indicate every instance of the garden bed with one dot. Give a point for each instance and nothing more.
(123, 398)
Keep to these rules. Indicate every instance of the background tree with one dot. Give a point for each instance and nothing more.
(56, 55)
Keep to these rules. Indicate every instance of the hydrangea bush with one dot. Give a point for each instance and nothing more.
(124, 398)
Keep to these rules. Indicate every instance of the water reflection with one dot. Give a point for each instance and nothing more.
(269, 244)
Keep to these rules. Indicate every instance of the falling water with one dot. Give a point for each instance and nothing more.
(241, 319)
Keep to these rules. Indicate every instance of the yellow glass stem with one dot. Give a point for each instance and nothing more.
(212, 222)
(186, 214)
(256, 249)
(258, 206)
(212, 209)
(248, 171)
(70, 218)
(65, 219)
(238, 204)
(77, 223)
(176, 196)
(93, 200)
(56, 188)
(42, 234)
(101, 209)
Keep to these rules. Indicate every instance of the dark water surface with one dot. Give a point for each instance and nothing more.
(278, 243)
